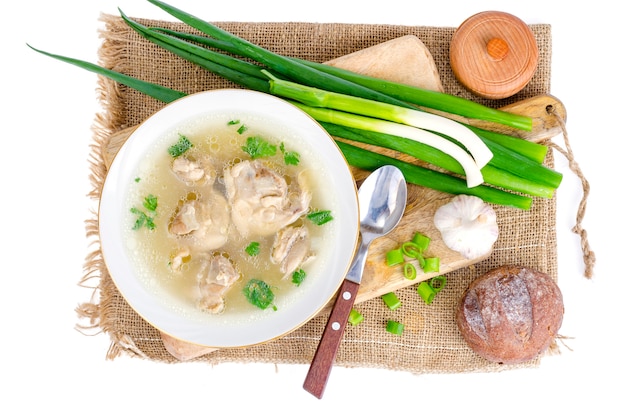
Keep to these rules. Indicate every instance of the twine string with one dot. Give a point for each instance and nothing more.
(589, 256)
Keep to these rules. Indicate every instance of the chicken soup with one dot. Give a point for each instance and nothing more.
(227, 218)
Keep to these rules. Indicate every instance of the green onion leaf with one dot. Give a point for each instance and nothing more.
(155, 91)
(240, 72)
(276, 62)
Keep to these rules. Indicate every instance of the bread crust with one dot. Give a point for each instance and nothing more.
(510, 314)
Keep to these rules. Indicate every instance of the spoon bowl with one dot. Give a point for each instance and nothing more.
(382, 200)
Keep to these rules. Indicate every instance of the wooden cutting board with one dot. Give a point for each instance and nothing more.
(422, 203)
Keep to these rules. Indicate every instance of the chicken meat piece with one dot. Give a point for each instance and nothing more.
(203, 224)
(261, 200)
(179, 258)
(215, 277)
(291, 249)
(194, 171)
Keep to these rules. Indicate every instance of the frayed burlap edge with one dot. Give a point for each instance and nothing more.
(94, 266)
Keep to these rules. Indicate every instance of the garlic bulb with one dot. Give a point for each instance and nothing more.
(467, 225)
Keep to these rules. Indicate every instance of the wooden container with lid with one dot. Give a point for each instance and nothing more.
(494, 54)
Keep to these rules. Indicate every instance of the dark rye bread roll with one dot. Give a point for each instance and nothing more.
(510, 314)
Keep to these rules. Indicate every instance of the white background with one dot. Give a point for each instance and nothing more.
(47, 116)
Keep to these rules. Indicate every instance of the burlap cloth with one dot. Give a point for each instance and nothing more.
(431, 342)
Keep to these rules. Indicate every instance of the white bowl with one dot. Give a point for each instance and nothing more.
(154, 303)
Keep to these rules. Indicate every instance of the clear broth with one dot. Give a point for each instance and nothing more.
(150, 251)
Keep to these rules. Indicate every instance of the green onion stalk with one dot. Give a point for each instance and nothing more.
(418, 96)
(379, 110)
(492, 175)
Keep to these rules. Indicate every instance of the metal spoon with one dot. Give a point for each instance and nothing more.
(382, 199)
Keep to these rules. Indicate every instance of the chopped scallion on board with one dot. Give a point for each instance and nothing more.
(431, 264)
(421, 241)
(409, 271)
(394, 257)
(411, 250)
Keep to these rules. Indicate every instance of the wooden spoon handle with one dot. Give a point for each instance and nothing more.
(324, 357)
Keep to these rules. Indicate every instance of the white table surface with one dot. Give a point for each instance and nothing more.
(48, 364)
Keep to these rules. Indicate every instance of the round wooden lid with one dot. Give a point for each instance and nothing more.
(494, 54)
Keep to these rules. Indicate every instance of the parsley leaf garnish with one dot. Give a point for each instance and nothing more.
(253, 248)
(257, 147)
(298, 277)
(144, 219)
(290, 157)
(320, 217)
(150, 202)
(259, 294)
